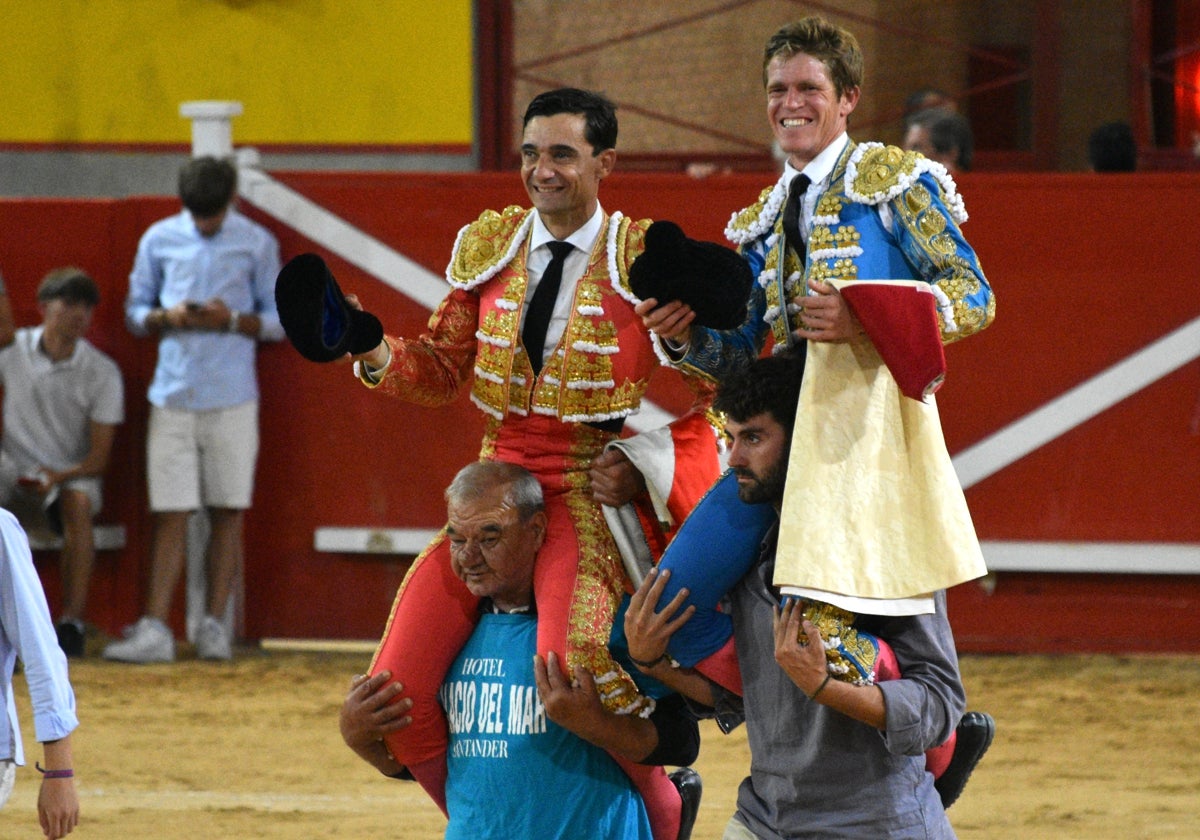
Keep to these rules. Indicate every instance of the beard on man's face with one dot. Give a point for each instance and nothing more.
(767, 487)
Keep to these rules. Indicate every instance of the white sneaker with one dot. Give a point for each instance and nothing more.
(212, 642)
(147, 641)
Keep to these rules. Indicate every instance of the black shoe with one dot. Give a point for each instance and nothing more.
(687, 782)
(975, 733)
(70, 638)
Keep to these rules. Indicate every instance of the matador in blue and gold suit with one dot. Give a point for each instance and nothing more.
(873, 520)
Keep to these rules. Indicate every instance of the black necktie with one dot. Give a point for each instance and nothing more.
(792, 214)
(541, 306)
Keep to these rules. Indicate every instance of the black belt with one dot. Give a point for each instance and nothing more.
(615, 426)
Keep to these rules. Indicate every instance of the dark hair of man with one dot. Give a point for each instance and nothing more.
(1111, 148)
(69, 284)
(922, 99)
(769, 385)
(949, 132)
(599, 114)
(476, 479)
(833, 46)
(207, 185)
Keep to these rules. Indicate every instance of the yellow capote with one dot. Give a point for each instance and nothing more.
(873, 507)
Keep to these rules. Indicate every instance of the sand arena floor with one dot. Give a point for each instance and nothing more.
(1087, 748)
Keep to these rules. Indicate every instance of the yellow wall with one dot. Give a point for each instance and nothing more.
(386, 72)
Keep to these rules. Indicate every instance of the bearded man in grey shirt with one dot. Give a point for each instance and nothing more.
(828, 758)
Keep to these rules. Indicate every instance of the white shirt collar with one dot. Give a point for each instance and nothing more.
(583, 238)
(821, 167)
(35, 347)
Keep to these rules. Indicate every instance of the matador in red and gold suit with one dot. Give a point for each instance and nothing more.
(554, 423)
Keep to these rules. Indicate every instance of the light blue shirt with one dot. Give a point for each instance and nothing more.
(196, 370)
(513, 772)
(26, 631)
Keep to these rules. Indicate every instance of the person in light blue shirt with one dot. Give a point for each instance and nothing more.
(26, 631)
(203, 284)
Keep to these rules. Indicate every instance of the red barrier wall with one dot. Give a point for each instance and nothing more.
(1082, 280)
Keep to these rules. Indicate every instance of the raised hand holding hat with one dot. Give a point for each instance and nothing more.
(318, 321)
(710, 278)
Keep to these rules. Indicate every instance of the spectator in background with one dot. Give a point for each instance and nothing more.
(63, 401)
(26, 631)
(922, 99)
(1111, 148)
(203, 282)
(942, 135)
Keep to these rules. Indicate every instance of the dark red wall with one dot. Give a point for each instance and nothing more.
(1087, 269)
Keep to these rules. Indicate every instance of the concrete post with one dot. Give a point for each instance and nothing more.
(212, 130)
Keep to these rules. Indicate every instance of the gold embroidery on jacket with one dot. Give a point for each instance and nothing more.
(917, 213)
(745, 218)
(484, 243)
(597, 594)
(881, 168)
(829, 205)
(580, 381)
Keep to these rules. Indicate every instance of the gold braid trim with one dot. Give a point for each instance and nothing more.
(837, 625)
(630, 242)
(917, 212)
(884, 170)
(599, 585)
(486, 245)
(745, 224)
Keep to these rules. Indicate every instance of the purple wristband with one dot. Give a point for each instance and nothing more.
(54, 774)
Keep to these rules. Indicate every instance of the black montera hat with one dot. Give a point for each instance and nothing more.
(710, 278)
(314, 313)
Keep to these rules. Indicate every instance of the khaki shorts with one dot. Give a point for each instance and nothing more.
(200, 459)
(736, 830)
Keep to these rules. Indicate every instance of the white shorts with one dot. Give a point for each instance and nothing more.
(8, 775)
(200, 459)
(29, 506)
